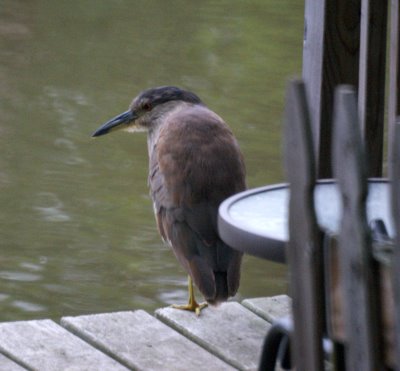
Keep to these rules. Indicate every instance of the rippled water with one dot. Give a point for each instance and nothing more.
(77, 234)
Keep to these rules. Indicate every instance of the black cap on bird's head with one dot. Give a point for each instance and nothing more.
(146, 103)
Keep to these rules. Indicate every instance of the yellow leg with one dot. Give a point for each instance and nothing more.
(192, 305)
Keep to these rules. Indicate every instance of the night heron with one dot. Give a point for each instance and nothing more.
(194, 164)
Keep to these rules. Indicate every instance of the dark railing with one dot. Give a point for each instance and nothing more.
(345, 287)
(341, 285)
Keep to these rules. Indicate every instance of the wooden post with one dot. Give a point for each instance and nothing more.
(361, 316)
(304, 250)
(395, 196)
(371, 88)
(394, 155)
(394, 71)
(330, 58)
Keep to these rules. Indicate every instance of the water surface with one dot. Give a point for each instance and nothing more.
(76, 224)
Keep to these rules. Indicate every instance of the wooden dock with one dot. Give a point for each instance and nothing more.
(225, 338)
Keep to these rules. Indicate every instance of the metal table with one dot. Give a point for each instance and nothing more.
(256, 221)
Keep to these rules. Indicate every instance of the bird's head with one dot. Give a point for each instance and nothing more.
(147, 108)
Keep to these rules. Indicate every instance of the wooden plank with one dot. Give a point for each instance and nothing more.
(304, 250)
(6, 364)
(334, 290)
(140, 341)
(387, 308)
(355, 253)
(394, 155)
(330, 57)
(371, 88)
(394, 71)
(395, 197)
(43, 345)
(313, 59)
(230, 331)
(271, 308)
(333, 302)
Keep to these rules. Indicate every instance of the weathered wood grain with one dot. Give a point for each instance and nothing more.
(142, 342)
(333, 289)
(6, 364)
(271, 308)
(360, 291)
(395, 197)
(45, 346)
(394, 72)
(304, 250)
(230, 331)
(371, 88)
(330, 57)
(335, 301)
(313, 59)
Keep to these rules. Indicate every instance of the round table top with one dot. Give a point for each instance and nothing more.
(256, 221)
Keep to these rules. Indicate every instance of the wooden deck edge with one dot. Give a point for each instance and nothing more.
(230, 336)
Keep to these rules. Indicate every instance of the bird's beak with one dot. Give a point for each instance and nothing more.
(116, 123)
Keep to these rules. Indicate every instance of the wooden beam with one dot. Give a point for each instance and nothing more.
(330, 58)
(395, 198)
(371, 88)
(313, 57)
(304, 249)
(360, 292)
(394, 71)
(394, 153)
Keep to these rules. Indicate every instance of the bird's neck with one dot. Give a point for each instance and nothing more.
(152, 136)
(158, 117)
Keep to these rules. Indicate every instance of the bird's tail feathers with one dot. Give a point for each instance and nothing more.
(221, 289)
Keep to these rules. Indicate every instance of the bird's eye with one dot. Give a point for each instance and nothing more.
(147, 106)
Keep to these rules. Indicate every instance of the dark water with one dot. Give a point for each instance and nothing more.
(77, 233)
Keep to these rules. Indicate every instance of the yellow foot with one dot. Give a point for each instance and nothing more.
(193, 307)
